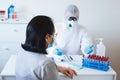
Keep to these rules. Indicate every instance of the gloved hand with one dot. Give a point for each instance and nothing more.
(58, 51)
(88, 49)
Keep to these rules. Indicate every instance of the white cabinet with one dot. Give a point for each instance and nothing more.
(11, 37)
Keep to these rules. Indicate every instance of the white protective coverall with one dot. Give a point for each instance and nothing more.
(35, 66)
(72, 37)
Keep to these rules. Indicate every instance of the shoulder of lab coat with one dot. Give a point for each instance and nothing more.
(37, 67)
(46, 70)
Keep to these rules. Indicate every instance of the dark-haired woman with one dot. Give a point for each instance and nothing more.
(31, 63)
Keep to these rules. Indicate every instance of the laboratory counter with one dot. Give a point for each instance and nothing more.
(8, 72)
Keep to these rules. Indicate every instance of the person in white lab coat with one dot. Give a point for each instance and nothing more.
(31, 62)
(71, 36)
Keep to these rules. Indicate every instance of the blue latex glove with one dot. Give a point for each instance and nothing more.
(58, 52)
(88, 49)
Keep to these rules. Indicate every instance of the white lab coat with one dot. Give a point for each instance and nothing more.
(72, 40)
(35, 66)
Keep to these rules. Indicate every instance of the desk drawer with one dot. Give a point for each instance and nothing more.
(8, 78)
(10, 47)
(12, 32)
(90, 77)
(87, 77)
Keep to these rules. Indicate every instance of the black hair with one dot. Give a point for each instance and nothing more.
(36, 31)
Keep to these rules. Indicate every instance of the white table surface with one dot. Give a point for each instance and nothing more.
(8, 73)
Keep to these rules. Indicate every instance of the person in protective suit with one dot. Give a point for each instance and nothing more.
(72, 38)
(32, 62)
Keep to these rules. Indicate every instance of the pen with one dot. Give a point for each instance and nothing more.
(71, 58)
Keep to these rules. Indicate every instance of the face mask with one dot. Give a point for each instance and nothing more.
(72, 24)
(52, 43)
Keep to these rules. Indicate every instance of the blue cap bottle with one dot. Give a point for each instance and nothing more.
(10, 10)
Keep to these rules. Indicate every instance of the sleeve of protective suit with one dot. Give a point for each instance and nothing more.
(86, 44)
(46, 71)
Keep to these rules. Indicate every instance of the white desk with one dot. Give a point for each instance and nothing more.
(8, 73)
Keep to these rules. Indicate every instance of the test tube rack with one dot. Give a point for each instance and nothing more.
(96, 62)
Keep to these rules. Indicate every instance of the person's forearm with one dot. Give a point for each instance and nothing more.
(66, 71)
(59, 68)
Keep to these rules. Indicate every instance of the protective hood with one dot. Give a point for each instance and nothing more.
(71, 11)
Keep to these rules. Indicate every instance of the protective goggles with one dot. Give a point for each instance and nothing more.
(72, 19)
